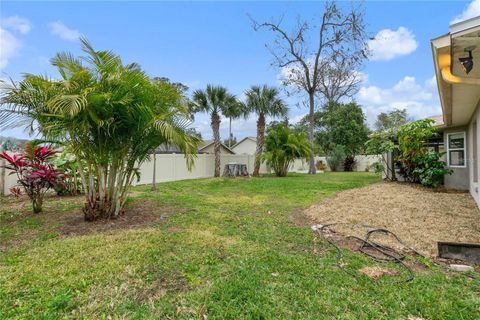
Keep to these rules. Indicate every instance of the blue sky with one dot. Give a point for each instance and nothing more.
(197, 43)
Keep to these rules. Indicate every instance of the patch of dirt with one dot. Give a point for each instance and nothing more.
(63, 216)
(377, 272)
(140, 214)
(419, 216)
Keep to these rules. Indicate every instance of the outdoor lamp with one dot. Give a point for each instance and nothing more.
(467, 62)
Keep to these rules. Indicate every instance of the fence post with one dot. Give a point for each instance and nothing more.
(174, 160)
(2, 177)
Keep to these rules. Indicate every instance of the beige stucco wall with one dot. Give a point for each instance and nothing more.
(459, 179)
(472, 159)
(247, 146)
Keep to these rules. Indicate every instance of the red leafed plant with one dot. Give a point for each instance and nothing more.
(34, 172)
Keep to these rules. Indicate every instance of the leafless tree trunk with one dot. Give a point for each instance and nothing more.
(312, 169)
(328, 70)
(216, 141)
(260, 143)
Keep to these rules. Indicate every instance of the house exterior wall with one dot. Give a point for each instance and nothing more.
(472, 158)
(247, 146)
(459, 179)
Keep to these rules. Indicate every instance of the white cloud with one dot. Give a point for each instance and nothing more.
(9, 43)
(9, 47)
(420, 100)
(472, 10)
(388, 44)
(58, 28)
(17, 23)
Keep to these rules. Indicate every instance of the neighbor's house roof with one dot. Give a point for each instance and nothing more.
(254, 139)
(208, 143)
(438, 121)
(459, 92)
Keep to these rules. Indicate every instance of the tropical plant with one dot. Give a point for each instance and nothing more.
(111, 114)
(216, 100)
(264, 101)
(336, 157)
(419, 163)
(35, 174)
(67, 163)
(412, 143)
(430, 170)
(282, 147)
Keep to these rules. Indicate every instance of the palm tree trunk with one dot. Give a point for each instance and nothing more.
(312, 169)
(216, 142)
(230, 134)
(260, 143)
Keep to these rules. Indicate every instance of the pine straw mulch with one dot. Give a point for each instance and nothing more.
(420, 217)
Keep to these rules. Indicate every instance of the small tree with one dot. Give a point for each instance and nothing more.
(343, 124)
(382, 143)
(282, 147)
(391, 121)
(35, 174)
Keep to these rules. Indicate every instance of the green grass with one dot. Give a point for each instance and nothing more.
(229, 249)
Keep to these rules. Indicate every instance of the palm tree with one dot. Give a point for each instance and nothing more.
(215, 100)
(282, 147)
(112, 115)
(264, 101)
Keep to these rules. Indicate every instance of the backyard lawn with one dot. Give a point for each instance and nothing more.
(210, 248)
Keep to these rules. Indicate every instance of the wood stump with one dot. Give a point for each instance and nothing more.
(235, 170)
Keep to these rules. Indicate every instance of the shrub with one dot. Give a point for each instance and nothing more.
(282, 147)
(336, 157)
(67, 163)
(419, 164)
(349, 163)
(412, 139)
(430, 170)
(34, 172)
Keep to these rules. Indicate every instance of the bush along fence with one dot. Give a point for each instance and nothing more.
(172, 167)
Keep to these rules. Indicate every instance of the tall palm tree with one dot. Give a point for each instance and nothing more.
(216, 100)
(264, 101)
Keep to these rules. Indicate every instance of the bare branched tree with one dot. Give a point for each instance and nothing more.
(325, 69)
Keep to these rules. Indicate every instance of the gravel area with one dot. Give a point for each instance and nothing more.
(419, 216)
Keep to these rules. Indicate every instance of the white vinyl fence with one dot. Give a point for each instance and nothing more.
(172, 167)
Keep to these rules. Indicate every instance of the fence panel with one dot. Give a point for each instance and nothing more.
(172, 167)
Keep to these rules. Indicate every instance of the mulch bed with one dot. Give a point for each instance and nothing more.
(419, 216)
